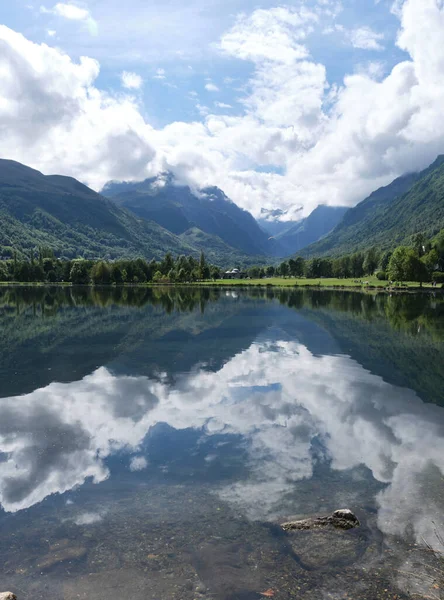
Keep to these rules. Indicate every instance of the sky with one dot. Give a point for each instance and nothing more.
(284, 106)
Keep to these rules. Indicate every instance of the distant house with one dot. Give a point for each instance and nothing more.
(234, 274)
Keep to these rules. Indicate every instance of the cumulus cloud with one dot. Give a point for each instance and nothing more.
(131, 81)
(328, 144)
(366, 39)
(73, 12)
(271, 35)
(211, 87)
(53, 117)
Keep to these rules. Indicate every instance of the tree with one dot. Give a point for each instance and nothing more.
(396, 266)
(385, 260)
(371, 261)
(116, 274)
(271, 271)
(79, 274)
(345, 266)
(101, 273)
(284, 269)
(4, 275)
(319, 267)
(297, 266)
(23, 271)
(405, 265)
(356, 264)
(167, 264)
(254, 272)
(158, 276)
(314, 268)
(182, 275)
(326, 267)
(431, 261)
(419, 243)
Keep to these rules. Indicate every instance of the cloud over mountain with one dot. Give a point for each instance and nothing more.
(294, 140)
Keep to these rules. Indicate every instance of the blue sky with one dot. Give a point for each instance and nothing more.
(283, 105)
(180, 38)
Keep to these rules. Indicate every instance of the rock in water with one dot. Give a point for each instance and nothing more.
(340, 519)
(345, 514)
(7, 596)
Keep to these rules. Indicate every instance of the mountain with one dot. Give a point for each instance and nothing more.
(311, 229)
(179, 209)
(390, 216)
(271, 221)
(62, 213)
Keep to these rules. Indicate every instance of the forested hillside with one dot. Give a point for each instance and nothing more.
(72, 220)
(181, 211)
(390, 216)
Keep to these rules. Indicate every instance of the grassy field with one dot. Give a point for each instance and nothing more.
(327, 283)
(331, 283)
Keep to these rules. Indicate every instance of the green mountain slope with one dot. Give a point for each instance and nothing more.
(217, 251)
(179, 209)
(320, 222)
(62, 213)
(390, 216)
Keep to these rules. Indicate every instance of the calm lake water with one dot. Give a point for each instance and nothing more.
(152, 441)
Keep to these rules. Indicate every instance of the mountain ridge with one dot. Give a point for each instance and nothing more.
(412, 203)
(178, 209)
(62, 213)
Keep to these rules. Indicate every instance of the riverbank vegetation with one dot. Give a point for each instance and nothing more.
(420, 263)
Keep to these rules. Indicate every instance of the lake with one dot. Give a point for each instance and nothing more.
(152, 441)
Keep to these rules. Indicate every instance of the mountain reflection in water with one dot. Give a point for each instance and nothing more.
(267, 404)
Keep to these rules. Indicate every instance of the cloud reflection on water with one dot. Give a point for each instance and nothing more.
(280, 397)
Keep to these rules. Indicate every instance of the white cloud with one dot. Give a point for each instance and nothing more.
(138, 463)
(73, 12)
(53, 117)
(211, 87)
(160, 74)
(366, 38)
(131, 81)
(51, 32)
(272, 34)
(222, 105)
(333, 144)
(372, 69)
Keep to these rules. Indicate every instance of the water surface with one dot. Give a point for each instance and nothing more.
(151, 441)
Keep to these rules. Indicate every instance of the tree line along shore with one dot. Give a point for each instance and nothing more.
(421, 263)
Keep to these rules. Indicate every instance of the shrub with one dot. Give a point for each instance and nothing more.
(381, 276)
(438, 276)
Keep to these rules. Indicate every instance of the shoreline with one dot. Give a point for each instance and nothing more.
(408, 288)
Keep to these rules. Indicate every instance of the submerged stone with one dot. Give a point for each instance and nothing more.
(340, 519)
(7, 596)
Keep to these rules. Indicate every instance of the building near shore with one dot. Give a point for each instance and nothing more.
(234, 274)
